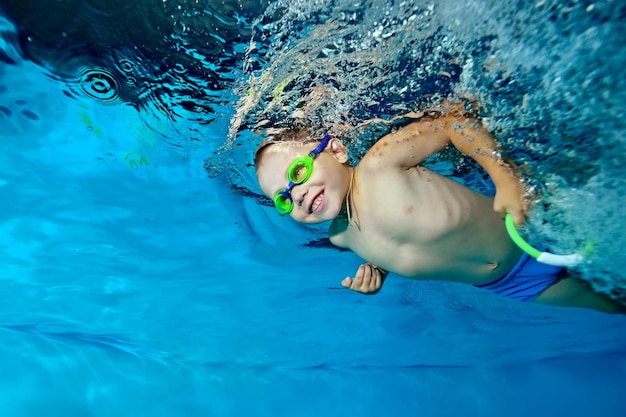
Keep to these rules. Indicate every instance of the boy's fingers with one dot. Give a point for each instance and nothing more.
(371, 278)
(367, 280)
(357, 281)
(518, 218)
(377, 283)
(517, 213)
(367, 272)
(499, 208)
(373, 282)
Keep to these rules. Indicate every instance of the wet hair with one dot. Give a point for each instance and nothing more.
(303, 134)
(273, 136)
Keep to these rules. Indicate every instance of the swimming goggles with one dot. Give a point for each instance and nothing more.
(543, 257)
(299, 171)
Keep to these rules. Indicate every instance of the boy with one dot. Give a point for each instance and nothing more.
(403, 218)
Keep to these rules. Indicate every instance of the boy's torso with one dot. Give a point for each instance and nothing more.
(421, 225)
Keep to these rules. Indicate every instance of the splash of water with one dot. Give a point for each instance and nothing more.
(547, 78)
(342, 67)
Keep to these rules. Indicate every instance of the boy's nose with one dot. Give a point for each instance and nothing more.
(298, 193)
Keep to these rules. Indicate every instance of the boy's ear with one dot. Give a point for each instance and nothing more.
(338, 150)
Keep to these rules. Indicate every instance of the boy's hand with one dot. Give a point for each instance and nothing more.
(367, 280)
(510, 199)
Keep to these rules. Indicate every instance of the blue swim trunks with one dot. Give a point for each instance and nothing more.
(526, 281)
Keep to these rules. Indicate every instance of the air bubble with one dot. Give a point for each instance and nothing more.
(126, 65)
(99, 84)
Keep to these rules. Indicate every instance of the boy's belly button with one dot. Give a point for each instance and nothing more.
(493, 265)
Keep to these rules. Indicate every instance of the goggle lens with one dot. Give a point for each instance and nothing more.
(283, 203)
(300, 170)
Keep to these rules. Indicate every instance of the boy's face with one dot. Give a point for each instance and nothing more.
(322, 196)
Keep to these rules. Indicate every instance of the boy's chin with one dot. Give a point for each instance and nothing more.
(314, 220)
(323, 217)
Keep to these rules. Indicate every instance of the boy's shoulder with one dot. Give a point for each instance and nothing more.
(384, 153)
(375, 166)
(409, 145)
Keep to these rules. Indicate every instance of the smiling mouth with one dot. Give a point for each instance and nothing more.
(317, 203)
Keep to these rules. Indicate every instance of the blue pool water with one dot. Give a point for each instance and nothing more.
(141, 273)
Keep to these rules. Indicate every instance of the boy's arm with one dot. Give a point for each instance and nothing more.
(415, 142)
(469, 136)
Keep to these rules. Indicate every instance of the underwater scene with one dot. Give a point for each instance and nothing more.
(143, 272)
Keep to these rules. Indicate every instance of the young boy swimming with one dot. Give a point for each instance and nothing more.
(404, 218)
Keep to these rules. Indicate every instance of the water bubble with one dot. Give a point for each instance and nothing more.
(179, 68)
(126, 65)
(99, 83)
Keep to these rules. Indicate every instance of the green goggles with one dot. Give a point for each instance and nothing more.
(299, 171)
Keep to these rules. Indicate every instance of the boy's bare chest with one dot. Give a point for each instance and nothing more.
(415, 205)
(416, 224)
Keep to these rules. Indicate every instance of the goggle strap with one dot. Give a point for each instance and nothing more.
(319, 148)
(286, 192)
